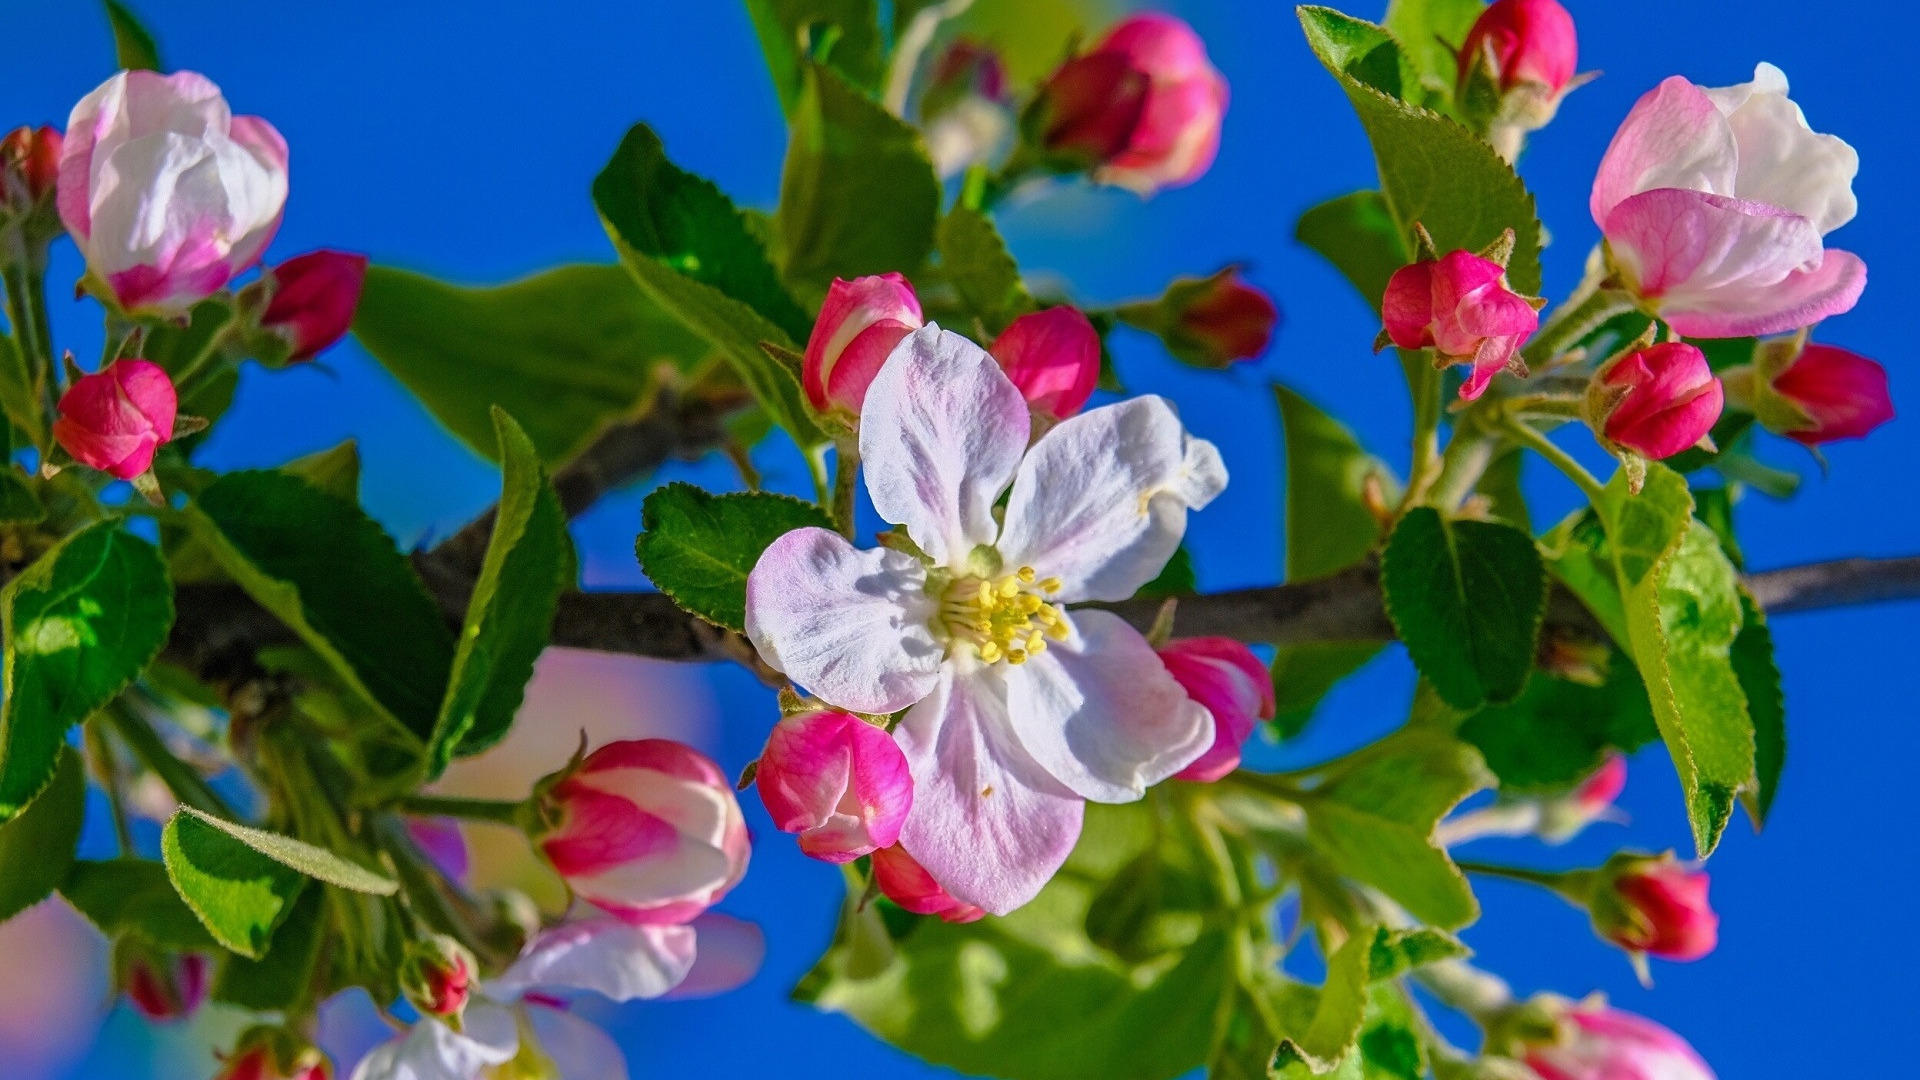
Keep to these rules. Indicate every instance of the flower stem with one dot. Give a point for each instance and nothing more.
(106, 769)
(846, 475)
(1547, 448)
(498, 811)
(1589, 306)
(196, 371)
(1468, 455)
(1479, 994)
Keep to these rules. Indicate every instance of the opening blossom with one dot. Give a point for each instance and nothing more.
(1236, 688)
(838, 781)
(1598, 1043)
(167, 193)
(314, 297)
(1460, 306)
(860, 322)
(1053, 356)
(116, 419)
(1714, 204)
(1017, 711)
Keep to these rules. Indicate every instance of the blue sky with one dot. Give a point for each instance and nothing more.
(459, 139)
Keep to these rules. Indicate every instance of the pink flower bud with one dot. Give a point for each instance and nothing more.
(1656, 906)
(966, 111)
(1222, 321)
(1842, 393)
(115, 419)
(165, 986)
(1461, 307)
(1591, 800)
(1223, 675)
(838, 781)
(275, 1054)
(905, 882)
(314, 296)
(1525, 41)
(648, 829)
(437, 975)
(859, 324)
(1142, 109)
(167, 193)
(1053, 356)
(1669, 399)
(1599, 1043)
(32, 155)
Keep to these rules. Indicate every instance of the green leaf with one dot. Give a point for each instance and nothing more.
(1342, 1009)
(135, 896)
(1683, 612)
(180, 346)
(1580, 557)
(698, 548)
(1432, 171)
(325, 568)
(1359, 236)
(19, 398)
(1029, 997)
(36, 847)
(1431, 31)
(788, 32)
(239, 894)
(975, 259)
(314, 862)
(133, 46)
(281, 978)
(1175, 579)
(1559, 731)
(80, 623)
(1752, 657)
(1501, 486)
(692, 254)
(858, 194)
(335, 471)
(18, 503)
(1374, 813)
(1393, 953)
(1467, 598)
(529, 561)
(570, 350)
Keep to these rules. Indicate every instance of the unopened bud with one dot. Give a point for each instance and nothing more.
(438, 976)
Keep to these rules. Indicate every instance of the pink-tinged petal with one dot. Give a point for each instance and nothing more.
(114, 420)
(578, 1049)
(860, 323)
(442, 841)
(1802, 298)
(1527, 40)
(314, 298)
(1177, 137)
(616, 960)
(1671, 402)
(838, 781)
(1493, 356)
(1231, 683)
(1675, 137)
(1406, 309)
(940, 437)
(1607, 1044)
(729, 955)
(849, 625)
(1101, 501)
(988, 822)
(1053, 356)
(905, 882)
(1843, 393)
(1101, 713)
(430, 1050)
(1783, 162)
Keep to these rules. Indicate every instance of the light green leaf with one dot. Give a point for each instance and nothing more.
(787, 30)
(1502, 488)
(1374, 812)
(135, 896)
(698, 548)
(80, 623)
(1359, 236)
(281, 978)
(134, 48)
(975, 259)
(1558, 731)
(570, 350)
(1341, 1010)
(1393, 953)
(529, 561)
(314, 862)
(238, 893)
(1580, 557)
(1431, 31)
(692, 254)
(858, 194)
(36, 847)
(1432, 170)
(335, 471)
(326, 569)
(19, 398)
(1467, 598)
(1752, 657)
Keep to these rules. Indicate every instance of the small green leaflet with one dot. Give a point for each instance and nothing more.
(1393, 953)
(1430, 31)
(698, 548)
(36, 847)
(1467, 598)
(975, 259)
(133, 46)
(787, 30)
(81, 623)
(314, 862)
(1342, 1009)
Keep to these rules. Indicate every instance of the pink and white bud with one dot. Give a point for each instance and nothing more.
(1598, 1043)
(1461, 307)
(163, 986)
(438, 976)
(1658, 401)
(314, 297)
(966, 112)
(901, 879)
(838, 781)
(114, 420)
(1224, 676)
(1523, 41)
(1142, 109)
(860, 322)
(1715, 202)
(1843, 395)
(1656, 906)
(271, 1054)
(646, 829)
(167, 193)
(1591, 800)
(1053, 356)
(31, 158)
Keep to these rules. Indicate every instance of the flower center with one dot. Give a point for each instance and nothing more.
(1004, 618)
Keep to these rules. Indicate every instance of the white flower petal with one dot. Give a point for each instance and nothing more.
(940, 436)
(1101, 501)
(606, 956)
(849, 625)
(577, 1048)
(1102, 714)
(1783, 161)
(430, 1050)
(988, 822)
(730, 953)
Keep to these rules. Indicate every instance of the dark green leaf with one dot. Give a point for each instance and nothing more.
(858, 195)
(1374, 813)
(1432, 171)
(133, 46)
(1559, 731)
(135, 896)
(1752, 657)
(1467, 598)
(18, 503)
(698, 548)
(975, 259)
(1358, 235)
(81, 623)
(19, 398)
(281, 978)
(239, 894)
(1175, 579)
(1501, 486)
(326, 569)
(569, 350)
(789, 33)
(36, 847)
(314, 862)
(529, 561)
(179, 347)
